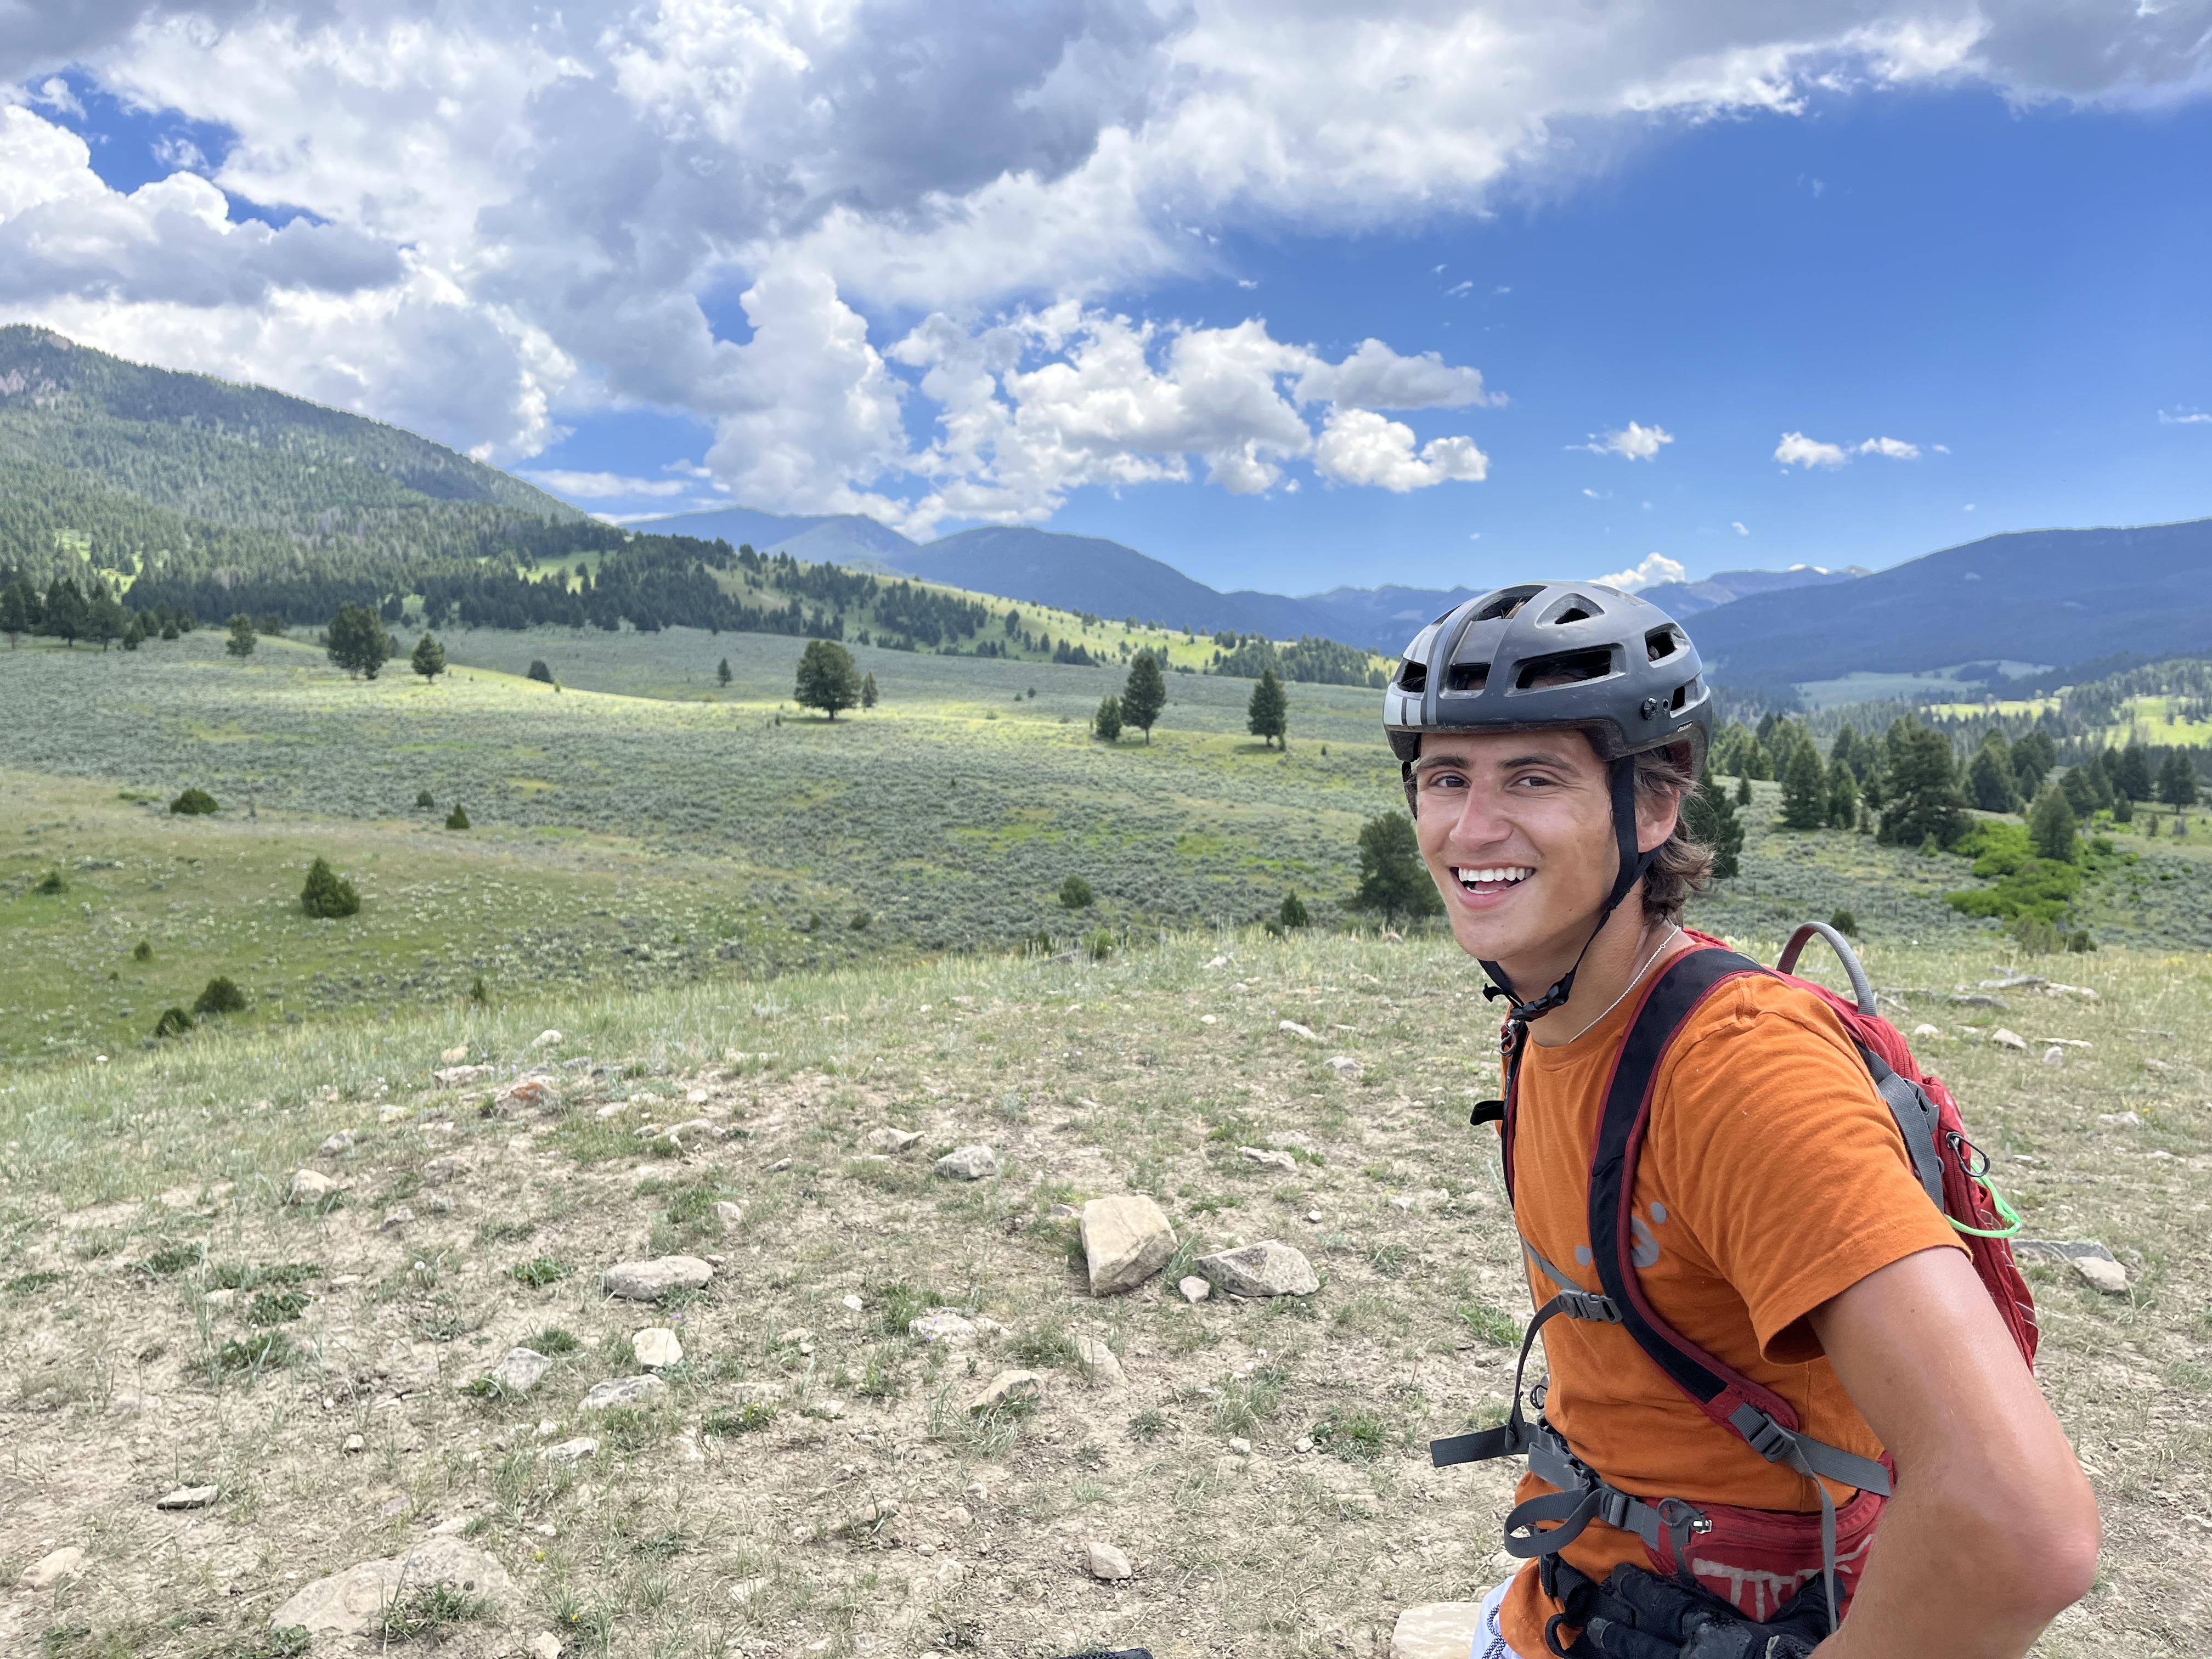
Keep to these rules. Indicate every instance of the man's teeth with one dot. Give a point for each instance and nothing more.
(1506, 873)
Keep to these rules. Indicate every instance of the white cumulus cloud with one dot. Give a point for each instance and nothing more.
(1655, 568)
(1896, 448)
(1798, 449)
(1358, 446)
(1633, 442)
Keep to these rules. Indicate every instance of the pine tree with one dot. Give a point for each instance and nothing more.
(356, 641)
(1267, 716)
(1392, 877)
(1845, 748)
(869, 696)
(104, 618)
(328, 895)
(65, 612)
(2177, 780)
(2050, 828)
(1709, 817)
(1991, 780)
(2033, 757)
(429, 658)
(1743, 789)
(1804, 788)
(1843, 795)
(722, 671)
(1293, 911)
(1143, 694)
(457, 819)
(2132, 776)
(15, 614)
(135, 634)
(240, 642)
(827, 678)
(1920, 794)
(1106, 724)
(539, 672)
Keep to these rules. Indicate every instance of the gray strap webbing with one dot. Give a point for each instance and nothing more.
(1574, 1301)
(1915, 1118)
(1812, 1459)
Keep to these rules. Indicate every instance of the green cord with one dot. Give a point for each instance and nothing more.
(2011, 1215)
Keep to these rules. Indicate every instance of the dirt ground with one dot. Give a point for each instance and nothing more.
(813, 1480)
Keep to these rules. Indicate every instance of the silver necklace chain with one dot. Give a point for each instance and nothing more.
(1634, 979)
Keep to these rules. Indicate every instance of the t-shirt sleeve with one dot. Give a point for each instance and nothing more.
(1783, 1161)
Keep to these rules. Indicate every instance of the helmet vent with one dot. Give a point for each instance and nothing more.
(1661, 643)
(1467, 677)
(1507, 603)
(1573, 608)
(1563, 668)
(1680, 700)
(1412, 677)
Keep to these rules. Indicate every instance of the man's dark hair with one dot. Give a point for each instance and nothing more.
(1683, 867)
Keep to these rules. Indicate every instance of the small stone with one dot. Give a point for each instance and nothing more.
(337, 1146)
(1195, 1289)
(941, 1325)
(958, 1516)
(1304, 1443)
(797, 1336)
(309, 1186)
(2119, 1120)
(545, 1645)
(623, 1391)
(1267, 1268)
(50, 1570)
(1345, 1067)
(746, 1588)
(890, 1140)
(968, 1163)
(1268, 1158)
(1239, 1446)
(570, 1451)
(187, 1497)
(546, 1040)
(521, 1370)
(221, 1298)
(438, 1204)
(2009, 1039)
(1313, 1218)
(1207, 1019)
(440, 1171)
(1438, 1629)
(353, 1443)
(2054, 1055)
(460, 1077)
(1125, 1240)
(2109, 1277)
(395, 1218)
(1924, 1030)
(527, 1094)
(656, 1346)
(727, 1213)
(1099, 1362)
(648, 1281)
(1298, 1031)
(872, 1514)
(1008, 1386)
(350, 1603)
(2091, 1260)
(1106, 1562)
(849, 1302)
(454, 1055)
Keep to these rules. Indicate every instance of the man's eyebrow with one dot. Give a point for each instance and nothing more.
(1538, 757)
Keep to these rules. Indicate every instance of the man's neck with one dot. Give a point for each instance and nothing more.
(1624, 946)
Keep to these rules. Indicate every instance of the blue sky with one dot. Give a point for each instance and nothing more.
(1954, 274)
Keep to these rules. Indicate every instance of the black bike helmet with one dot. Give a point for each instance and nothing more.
(1541, 656)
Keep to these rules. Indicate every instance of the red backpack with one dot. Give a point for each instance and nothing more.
(1756, 1560)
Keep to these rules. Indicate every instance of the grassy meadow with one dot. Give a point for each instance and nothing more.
(814, 1480)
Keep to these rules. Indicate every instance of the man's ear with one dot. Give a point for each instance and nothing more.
(1656, 815)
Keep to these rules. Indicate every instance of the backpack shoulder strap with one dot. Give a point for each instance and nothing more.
(1673, 996)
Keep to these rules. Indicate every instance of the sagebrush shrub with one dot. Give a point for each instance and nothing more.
(193, 803)
(221, 995)
(328, 895)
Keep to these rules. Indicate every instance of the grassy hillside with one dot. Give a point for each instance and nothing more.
(813, 1480)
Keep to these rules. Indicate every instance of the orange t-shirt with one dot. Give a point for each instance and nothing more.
(1773, 1178)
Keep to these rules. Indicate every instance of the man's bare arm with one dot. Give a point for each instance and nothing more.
(1993, 1531)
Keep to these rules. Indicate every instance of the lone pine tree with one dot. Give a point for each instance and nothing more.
(722, 671)
(869, 697)
(240, 642)
(1804, 788)
(1267, 716)
(827, 678)
(429, 658)
(328, 895)
(1107, 723)
(1143, 694)
(1392, 877)
(356, 641)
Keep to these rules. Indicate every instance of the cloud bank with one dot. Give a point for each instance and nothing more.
(871, 243)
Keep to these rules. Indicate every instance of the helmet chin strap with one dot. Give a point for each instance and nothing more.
(1633, 864)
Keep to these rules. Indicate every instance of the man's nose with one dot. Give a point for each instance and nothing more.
(1480, 821)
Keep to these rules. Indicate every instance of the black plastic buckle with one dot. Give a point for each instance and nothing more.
(1674, 1512)
(1612, 1506)
(1587, 1305)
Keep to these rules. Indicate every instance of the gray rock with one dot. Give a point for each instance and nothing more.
(1267, 1268)
(1008, 1386)
(1125, 1240)
(727, 1213)
(349, 1603)
(656, 1346)
(440, 1171)
(2095, 1264)
(523, 1370)
(2119, 1120)
(1293, 1029)
(309, 1186)
(890, 1140)
(337, 1146)
(940, 1325)
(969, 1164)
(50, 1570)
(1267, 1158)
(1106, 1562)
(1438, 1629)
(395, 1218)
(571, 1451)
(2008, 1039)
(625, 1391)
(1099, 1362)
(187, 1497)
(648, 1281)
(1194, 1288)
(460, 1077)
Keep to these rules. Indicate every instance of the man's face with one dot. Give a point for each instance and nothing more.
(1516, 827)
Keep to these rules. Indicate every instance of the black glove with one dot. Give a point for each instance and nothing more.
(1636, 1614)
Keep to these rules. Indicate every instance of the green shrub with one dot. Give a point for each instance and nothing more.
(540, 672)
(423, 798)
(431, 1611)
(539, 1271)
(860, 920)
(174, 1021)
(1075, 893)
(328, 895)
(1844, 922)
(143, 951)
(1293, 913)
(174, 1259)
(221, 995)
(51, 883)
(193, 804)
(1099, 945)
(457, 819)
(746, 1419)
(554, 1341)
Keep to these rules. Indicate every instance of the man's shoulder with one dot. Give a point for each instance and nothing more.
(1752, 1011)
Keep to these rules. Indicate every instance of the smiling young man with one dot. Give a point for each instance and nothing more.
(1778, 1236)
